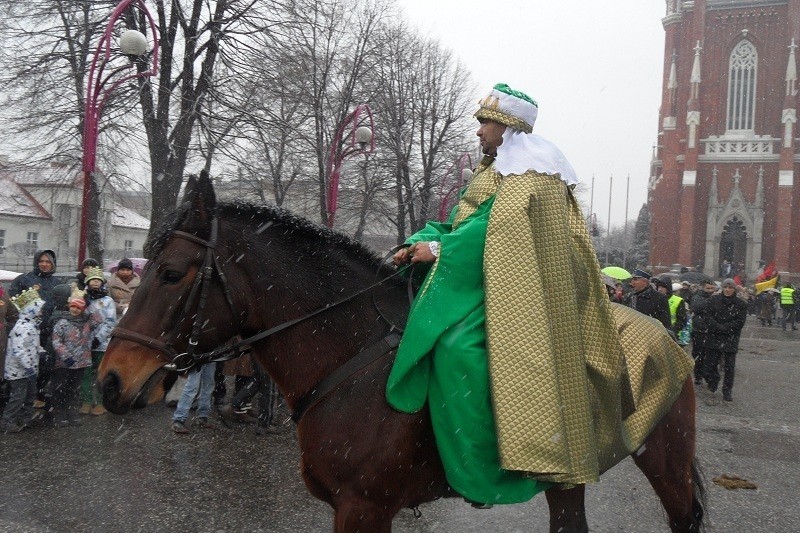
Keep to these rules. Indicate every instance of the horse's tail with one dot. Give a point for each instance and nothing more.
(699, 501)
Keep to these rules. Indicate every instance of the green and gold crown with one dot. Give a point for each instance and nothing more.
(94, 273)
(25, 298)
(513, 108)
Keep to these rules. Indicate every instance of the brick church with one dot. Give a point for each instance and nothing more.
(722, 182)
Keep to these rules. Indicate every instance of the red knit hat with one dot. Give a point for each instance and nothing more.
(80, 303)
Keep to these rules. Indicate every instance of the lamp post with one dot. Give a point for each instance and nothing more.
(98, 89)
(358, 126)
(462, 168)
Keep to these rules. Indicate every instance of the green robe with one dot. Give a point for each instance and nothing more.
(514, 345)
(442, 360)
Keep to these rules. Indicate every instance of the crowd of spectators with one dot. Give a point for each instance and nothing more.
(53, 336)
(706, 318)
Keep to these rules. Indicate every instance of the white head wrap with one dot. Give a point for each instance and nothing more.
(522, 150)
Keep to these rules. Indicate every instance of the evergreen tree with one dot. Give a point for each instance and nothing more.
(639, 252)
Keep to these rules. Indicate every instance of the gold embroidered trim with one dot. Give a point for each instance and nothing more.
(504, 118)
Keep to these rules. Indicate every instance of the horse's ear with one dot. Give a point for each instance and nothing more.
(199, 202)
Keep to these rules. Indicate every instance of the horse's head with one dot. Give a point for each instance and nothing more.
(171, 308)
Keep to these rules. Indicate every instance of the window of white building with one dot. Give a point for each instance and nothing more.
(743, 67)
(2, 241)
(128, 245)
(32, 240)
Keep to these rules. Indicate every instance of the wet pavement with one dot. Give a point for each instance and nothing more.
(132, 473)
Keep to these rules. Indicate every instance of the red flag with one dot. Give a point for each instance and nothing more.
(769, 272)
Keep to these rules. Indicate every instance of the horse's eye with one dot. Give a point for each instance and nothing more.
(171, 276)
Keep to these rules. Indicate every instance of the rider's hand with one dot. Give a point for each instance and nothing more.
(421, 253)
(402, 257)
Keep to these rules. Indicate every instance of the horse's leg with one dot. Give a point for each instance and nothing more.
(567, 510)
(667, 460)
(361, 516)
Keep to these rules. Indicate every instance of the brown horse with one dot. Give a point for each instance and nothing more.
(218, 271)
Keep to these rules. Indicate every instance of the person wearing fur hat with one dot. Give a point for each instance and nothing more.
(512, 281)
(101, 303)
(123, 284)
(22, 362)
(72, 339)
(726, 315)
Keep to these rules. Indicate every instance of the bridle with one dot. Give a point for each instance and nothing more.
(181, 362)
(199, 291)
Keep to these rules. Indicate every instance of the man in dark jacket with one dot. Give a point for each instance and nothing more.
(700, 331)
(44, 266)
(726, 316)
(647, 300)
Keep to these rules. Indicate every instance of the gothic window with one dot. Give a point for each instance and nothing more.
(742, 86)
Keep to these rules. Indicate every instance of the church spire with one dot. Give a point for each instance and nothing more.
(791, 71)
(672, 83)
(789, 116)
(695, 79)
(760, 188)
(713, 199)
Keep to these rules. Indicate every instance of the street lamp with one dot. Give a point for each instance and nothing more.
(132, 44)
(361, 126)
(462, 168)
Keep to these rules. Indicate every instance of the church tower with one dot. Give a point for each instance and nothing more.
(723, 180)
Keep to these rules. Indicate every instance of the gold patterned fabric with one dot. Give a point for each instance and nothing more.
(482, 187)
(572, 396)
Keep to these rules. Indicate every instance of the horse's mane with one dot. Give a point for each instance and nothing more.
(261, 216)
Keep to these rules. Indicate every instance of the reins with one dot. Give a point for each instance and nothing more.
(227, 353)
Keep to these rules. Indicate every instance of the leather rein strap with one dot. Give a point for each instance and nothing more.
(337, 377)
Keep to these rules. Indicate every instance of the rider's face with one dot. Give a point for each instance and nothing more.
(491, 135)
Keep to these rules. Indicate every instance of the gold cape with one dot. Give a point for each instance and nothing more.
(578, 382)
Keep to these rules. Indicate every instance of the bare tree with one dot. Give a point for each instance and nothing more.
(444, 94)
(45, 79)
(395, 78)
(257, 88)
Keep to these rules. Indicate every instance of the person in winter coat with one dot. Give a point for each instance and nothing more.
(726, 316)
(699, 306)
(679, 315)
(41, 277)
(81, 277)
(123, 284)
(72, 340)
(766, 308)
(647, 300)
(101, 303)
(8, 317)
(22, 362)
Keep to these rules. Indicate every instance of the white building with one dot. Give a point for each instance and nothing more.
(41, 209)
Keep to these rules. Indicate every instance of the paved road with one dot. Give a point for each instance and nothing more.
(133, 474)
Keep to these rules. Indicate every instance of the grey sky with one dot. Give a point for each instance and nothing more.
(594, 67)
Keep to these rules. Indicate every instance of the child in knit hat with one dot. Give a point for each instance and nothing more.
(72, 341)
(22, 362)
(101, 303)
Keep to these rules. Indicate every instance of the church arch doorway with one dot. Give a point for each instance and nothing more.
(733, 244)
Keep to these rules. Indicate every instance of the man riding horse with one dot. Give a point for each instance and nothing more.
(512, 340)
